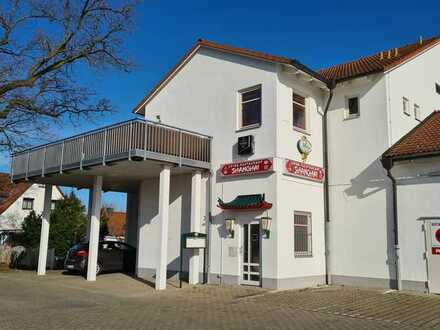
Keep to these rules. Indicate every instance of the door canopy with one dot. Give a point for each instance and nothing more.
(246, 203)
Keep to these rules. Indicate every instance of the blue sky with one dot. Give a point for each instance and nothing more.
(317, 33)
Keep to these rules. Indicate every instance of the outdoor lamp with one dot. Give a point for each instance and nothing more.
(229, 223)
(266, 222)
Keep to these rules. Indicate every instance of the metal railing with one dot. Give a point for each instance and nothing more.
(131, 140)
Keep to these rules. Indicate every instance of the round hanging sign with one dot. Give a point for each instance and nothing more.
(304, 147)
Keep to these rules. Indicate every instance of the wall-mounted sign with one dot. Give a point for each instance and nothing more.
(304, 147)
(194, 240)
(249, 167)
(435, 237)
(305, 171)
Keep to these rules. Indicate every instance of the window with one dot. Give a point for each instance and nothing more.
(28, 204)
(417, 112)
(353, 107)
(406, 106)
(53, 204)
(303, 234)
(250, 101)
(437, 88)
(299, 111)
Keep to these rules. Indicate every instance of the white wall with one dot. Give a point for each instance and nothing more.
(203, 97)
(16, 212)
(361, 238)
(418, 195)
(361, 233)
(179, 222)
(295, 194)
(416, 81)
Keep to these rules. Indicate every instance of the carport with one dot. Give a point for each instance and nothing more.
(119, 158)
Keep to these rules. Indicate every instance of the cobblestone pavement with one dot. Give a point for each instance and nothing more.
(117, 301)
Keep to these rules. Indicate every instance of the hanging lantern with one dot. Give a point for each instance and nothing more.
(266, 223)
(229, 223)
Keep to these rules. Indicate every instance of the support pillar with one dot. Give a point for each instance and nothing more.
(44, 238)
(164, 204)
(196, 222)
(95, 216)
(89, 213)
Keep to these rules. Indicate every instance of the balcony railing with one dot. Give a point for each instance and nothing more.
(131, 140)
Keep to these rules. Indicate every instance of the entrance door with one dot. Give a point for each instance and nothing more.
(433, 255)
(251, 254)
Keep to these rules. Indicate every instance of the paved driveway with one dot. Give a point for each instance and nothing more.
(119, 302)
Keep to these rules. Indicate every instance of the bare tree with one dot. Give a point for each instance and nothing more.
(44, 44)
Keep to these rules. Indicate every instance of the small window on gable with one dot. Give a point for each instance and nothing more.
(417, 112)
(299, 111)
(405, 104)
(353, 107)
(28, 204)
(250, 107)
(437, 88)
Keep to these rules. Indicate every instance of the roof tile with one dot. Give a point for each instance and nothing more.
(424, 139)
(379, 62)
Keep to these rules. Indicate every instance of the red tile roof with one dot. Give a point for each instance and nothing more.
(10, 192)
(379, 62)
(227, 49)
(422, 140)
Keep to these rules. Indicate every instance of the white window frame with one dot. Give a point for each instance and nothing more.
(27, 200)
(406, 106)
(306, 112)
(240, 126)
(417, 114)
(309, 252)
(347, 114)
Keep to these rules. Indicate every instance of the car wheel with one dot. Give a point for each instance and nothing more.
(98, 269)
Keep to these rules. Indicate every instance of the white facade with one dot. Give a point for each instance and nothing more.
(361, 236)
(203, 96)
(418, 196)
(12, 218)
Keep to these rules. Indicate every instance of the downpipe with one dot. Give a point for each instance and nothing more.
(388, 164)
(331, 86)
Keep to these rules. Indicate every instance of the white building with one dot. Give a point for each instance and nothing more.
(253, 176)
(17, 201)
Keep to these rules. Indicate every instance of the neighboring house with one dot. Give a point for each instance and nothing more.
(17, 201)
(242, 157)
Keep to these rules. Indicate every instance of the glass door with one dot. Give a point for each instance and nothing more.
(251, 254)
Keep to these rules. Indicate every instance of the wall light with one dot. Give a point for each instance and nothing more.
(229, 223)
(266, 223)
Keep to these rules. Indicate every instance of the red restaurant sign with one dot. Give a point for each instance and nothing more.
(302, 170)
(249, 167)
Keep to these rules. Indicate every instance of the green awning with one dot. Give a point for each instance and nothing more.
(246, 203)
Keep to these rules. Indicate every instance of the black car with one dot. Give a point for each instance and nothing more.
(113, 256)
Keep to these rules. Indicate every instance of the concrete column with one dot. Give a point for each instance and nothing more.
(95, 216)
(45, 223)
(196, 222)
(89, 214)
(164, 205)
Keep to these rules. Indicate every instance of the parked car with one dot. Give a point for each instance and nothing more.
(112, 257)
